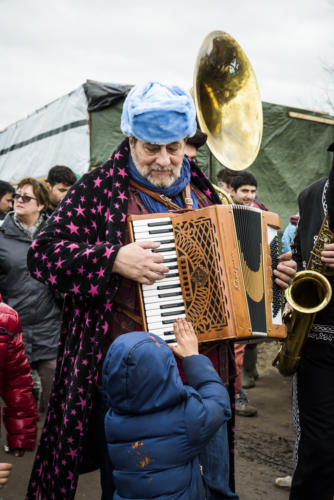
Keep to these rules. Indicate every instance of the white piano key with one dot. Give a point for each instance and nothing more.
(161, 238)
(153, 325)
(271, 233)
(165, 333)
(152, 303)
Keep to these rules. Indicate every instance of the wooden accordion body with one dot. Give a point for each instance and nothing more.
(225, 256)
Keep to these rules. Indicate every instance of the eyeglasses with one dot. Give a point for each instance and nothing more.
(23, 197)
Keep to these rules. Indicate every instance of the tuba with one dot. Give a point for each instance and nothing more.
(309, 293)
(227, 100)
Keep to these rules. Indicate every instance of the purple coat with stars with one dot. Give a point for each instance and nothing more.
(75, 253)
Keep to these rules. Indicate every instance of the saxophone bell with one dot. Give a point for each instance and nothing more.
(309, 293)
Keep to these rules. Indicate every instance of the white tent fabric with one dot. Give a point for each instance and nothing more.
(57, 134)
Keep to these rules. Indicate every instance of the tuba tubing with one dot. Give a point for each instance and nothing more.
(309, 293)
(224, 197)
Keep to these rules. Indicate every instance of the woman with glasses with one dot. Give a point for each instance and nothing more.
(36, 304)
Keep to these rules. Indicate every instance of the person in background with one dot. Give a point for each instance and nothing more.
(224, 178)
(19, 412)
(194, 143)
(35, 303)
(313, 383)
(59, 179)
(289, 233)
(6, 198)
(169, 422)
(243, 188)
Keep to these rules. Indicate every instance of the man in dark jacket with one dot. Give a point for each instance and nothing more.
(313, 395)
(84, 251)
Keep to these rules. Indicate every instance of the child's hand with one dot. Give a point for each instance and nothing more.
(187, 343)
(4, 473)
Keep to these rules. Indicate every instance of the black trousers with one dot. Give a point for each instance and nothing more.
(314, 474)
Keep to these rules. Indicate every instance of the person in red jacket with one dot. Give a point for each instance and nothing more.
(20, 412)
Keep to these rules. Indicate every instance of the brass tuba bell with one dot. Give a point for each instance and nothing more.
(227, 100)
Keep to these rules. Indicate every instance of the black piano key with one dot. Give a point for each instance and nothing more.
(172, 304)
(165, 295)
(165, 242)
(160, 231)
(171, 259)
(165, 223)
(160, 250)
(168, 321)
(170, 341)
(172, 275)
(171, 313)
(166, 287)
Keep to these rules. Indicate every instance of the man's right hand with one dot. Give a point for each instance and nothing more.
(136, 262)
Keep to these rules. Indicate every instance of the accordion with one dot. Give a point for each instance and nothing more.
(221, 260)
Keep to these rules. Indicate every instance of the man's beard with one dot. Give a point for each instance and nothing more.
(163, 183)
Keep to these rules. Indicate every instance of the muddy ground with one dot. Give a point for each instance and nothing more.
(264, 444)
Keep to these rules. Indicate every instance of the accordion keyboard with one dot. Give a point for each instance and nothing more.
(163, 300)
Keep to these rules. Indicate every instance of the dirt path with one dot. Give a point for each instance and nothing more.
(264, 444)
(263, 449)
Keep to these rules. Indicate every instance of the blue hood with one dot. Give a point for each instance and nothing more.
(140, 375)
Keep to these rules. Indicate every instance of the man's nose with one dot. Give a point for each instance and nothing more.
(163, 158)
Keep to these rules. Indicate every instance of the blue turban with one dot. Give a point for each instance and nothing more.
(158, 114)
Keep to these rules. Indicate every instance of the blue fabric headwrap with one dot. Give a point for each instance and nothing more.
(158, 113)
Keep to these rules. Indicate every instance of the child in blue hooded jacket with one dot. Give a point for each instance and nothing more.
(156, 426)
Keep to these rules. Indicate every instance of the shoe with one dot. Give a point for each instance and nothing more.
(242, 406)
(248, 381)
(283, 482)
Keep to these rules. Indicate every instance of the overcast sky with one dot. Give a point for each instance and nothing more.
(50, 48)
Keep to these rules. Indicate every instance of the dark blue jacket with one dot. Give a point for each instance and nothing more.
(156, 426)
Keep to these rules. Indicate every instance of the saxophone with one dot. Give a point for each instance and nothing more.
(309, 293)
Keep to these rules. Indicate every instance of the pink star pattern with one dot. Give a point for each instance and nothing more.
(75, 254)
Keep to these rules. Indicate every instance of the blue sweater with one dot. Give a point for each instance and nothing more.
(156, 426)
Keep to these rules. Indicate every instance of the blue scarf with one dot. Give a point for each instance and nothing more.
(174, 192)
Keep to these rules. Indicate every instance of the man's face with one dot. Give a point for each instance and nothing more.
(58, 192)
(244, 195)
(161, 165)
(6, 203)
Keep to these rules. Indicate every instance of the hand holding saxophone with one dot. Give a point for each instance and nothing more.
(327, 255)
(286, 270)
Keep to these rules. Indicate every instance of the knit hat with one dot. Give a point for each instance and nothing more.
(198, 140)
(158, 113)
